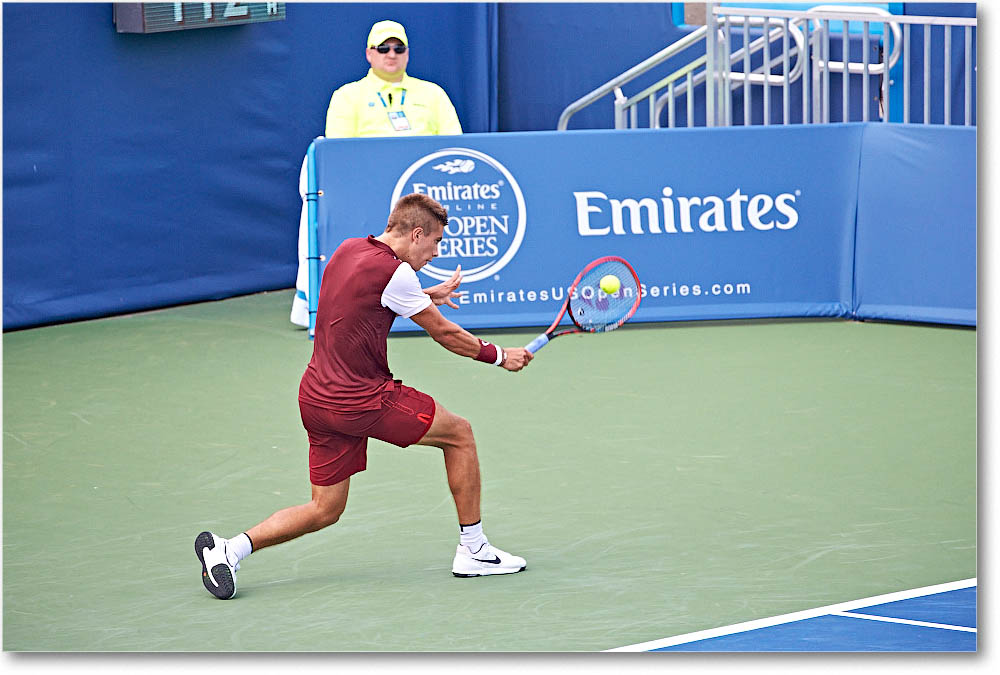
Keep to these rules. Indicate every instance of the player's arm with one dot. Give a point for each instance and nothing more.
(404, 296)
(456, 339)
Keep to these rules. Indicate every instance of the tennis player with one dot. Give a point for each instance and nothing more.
(347, 394)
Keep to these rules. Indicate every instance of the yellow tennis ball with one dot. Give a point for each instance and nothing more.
(610, 284)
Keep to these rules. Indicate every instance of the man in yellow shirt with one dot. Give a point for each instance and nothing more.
(385, 102)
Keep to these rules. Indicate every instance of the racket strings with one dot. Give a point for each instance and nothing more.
(596, 311)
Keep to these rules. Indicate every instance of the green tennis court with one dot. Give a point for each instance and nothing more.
(661, 479)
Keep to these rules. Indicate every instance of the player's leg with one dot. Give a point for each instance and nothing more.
(220, 558)
(324, 509)
(475, 556)
(453, 435)
(334, 456)
(412, 417)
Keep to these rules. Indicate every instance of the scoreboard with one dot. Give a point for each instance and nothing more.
(159, 17)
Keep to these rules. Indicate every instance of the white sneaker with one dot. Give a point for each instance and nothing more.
(488, 560)
(218, 575)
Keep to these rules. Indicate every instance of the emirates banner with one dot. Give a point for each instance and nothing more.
(718, 223)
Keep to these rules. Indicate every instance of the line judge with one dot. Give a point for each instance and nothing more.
(385, 102)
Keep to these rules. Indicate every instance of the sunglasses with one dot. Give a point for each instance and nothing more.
(384, 49)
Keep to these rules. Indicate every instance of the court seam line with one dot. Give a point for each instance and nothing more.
(908, 622)
(795, 616)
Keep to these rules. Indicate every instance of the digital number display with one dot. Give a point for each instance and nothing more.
(158, 17)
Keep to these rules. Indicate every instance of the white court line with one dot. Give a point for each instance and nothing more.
(795, 616)
(908, 622)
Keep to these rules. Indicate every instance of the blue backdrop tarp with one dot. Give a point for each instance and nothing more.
(916, 243)
(729, 223)
(146, 170)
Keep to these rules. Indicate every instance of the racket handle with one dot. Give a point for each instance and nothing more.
(537, 343)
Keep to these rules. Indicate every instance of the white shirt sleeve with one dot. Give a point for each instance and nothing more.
(403, 294)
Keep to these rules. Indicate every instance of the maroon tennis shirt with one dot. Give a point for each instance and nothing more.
(349, 368)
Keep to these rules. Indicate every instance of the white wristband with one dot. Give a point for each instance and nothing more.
(500, 357)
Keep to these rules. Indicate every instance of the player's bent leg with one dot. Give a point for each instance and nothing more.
(219, 560)
(327, 505)
(453, 435)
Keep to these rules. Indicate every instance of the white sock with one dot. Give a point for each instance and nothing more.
(472, 536)
(238, 548)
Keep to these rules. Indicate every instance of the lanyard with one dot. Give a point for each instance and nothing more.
(385, 105)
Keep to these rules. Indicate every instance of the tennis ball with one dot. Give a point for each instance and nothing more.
(610, 284)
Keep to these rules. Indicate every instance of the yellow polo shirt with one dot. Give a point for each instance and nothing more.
(362, 108)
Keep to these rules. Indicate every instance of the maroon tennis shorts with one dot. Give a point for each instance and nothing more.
(338, 442)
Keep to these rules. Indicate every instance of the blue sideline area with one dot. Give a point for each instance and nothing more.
(949, 611)
(862, 220)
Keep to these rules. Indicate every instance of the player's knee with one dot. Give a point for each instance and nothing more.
(327, 514)
(463, 432)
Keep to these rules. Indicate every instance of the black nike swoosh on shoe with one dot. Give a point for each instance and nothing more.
(495, 561)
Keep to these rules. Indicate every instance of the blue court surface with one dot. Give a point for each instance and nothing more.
(939, 618)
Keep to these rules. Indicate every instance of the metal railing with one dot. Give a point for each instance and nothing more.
(758, 54)
(614, 85)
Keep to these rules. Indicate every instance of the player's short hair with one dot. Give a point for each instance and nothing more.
(416, 210)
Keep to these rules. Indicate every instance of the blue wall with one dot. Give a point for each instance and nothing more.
(916, 224)
(552, 54)
(148, 170)
(145, 170)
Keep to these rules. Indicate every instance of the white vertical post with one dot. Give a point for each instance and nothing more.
(885, 73)
(766, 102)
(711, 52)
(807, 73)
(689, 95)
(826, 71)
(927, 73)
(968, 75)
(845, 82)
(620, 100)
(947, 74)
(671, 111)
(727, 83)
(865, 75)
(784, 73)
(906, 73)
(746, 71)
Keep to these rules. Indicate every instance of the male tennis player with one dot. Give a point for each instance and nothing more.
(347, 393)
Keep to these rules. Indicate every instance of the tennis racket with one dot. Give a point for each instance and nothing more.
(592, 310)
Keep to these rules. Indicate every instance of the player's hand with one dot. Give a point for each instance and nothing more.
(517, 358)
(443, 293)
